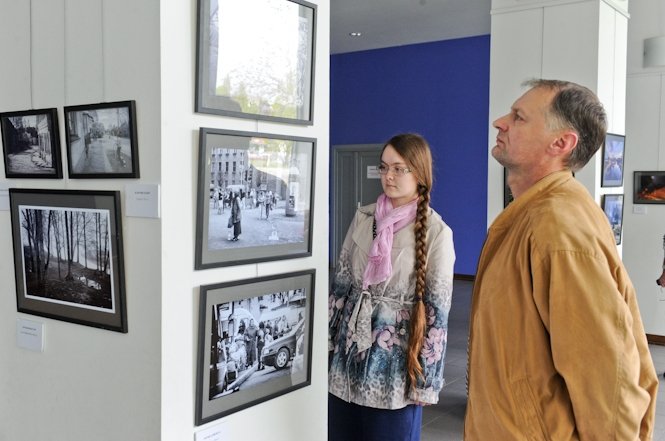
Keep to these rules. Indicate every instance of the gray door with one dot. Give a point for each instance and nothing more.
(355, 182)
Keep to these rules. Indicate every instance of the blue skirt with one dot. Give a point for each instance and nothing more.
(352, 422)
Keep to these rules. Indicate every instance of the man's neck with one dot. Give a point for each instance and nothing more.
(519, 183)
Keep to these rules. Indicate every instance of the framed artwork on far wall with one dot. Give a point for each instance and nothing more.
(649, 187)
(613, 207)
(613, 154)
(507, 194)
(31, 144)
(68, 258)
(255, 59)
(102, 141)
(255, 342)
(254, 197)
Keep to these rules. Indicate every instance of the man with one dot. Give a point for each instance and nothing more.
(557, 350)
(251, 334)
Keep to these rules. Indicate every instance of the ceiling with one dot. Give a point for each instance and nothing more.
(387, 23)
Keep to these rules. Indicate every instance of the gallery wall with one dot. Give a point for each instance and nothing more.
(439, 90)
(644, 225)
(92, 384)
(88, 383)
(299, 415)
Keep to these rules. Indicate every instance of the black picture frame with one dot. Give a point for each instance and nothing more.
(649, 187)
(229, 379)
(102, 141)
(31, 144)
(507, 193)
(613, 160)
(612, 205)
(275, 173)
(270, 76)
(68, 256)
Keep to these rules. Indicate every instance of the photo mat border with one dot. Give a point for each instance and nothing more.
(208, 410)
(74, 199)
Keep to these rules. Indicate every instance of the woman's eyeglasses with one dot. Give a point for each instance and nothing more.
(398, 171)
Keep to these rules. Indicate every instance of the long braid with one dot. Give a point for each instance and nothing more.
(417, 329)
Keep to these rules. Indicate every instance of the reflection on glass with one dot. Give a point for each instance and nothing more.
(259, 59)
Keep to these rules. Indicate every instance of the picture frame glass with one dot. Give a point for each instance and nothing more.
(31, 144)
(255, 342)
(613, 208)
(102, 140)
(68, 256)
(255, 198)
(613, 160)
(649, 187)
(270, 75)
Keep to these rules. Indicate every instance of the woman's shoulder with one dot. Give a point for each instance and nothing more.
(367, 210)
(436, 222)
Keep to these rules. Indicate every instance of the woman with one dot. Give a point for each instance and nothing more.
(389, 305)
(235, 217)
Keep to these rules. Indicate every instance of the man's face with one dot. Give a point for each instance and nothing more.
(523, 135)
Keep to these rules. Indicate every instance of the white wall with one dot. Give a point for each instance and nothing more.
(645, 150)
(88, 384)
(300, 415)
(534, 39)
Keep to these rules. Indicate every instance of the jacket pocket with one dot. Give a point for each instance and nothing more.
(527, 413)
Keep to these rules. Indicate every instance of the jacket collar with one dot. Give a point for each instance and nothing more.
(517, 207)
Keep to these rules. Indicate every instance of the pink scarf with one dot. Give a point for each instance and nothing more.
(389, 221)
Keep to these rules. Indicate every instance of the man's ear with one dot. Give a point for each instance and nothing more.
(564, 143)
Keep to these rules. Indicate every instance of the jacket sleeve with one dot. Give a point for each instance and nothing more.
(341, 284)
(437, 300)
(598, 345)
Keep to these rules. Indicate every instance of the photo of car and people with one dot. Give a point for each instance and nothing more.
(258, 195)
(256, 340)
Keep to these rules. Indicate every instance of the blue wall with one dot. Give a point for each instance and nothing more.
(440, 90)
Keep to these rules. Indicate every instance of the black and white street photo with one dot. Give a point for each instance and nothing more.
(101, 140)
(255, 341)
(31, 144)
(254, 198)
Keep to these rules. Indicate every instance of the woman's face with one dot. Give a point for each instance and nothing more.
(400, 188)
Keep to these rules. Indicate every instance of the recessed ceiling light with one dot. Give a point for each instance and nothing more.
(355, 34)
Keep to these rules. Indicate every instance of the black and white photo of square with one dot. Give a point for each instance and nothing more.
(254, 198)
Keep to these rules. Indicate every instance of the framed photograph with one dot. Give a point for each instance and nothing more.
(613, 208)
(507, 194)
(254, 198)
(270, 76)
(649, 187)
(613, 154)
(68, 259)
(101, 140)
(31, 144)
(255, 342)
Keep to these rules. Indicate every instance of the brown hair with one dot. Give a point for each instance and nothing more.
(418, 158)
(576, 107)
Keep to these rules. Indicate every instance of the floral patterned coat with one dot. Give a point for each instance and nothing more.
(369, 331)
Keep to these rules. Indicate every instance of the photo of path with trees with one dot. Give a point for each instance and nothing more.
(66, 256)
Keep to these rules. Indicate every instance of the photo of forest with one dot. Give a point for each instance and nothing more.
(67, 256)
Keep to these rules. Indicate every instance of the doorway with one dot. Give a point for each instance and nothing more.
(355, 182)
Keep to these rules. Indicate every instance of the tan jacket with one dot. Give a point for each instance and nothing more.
(557, 350)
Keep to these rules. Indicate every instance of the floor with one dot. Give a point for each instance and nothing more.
(444, 421)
